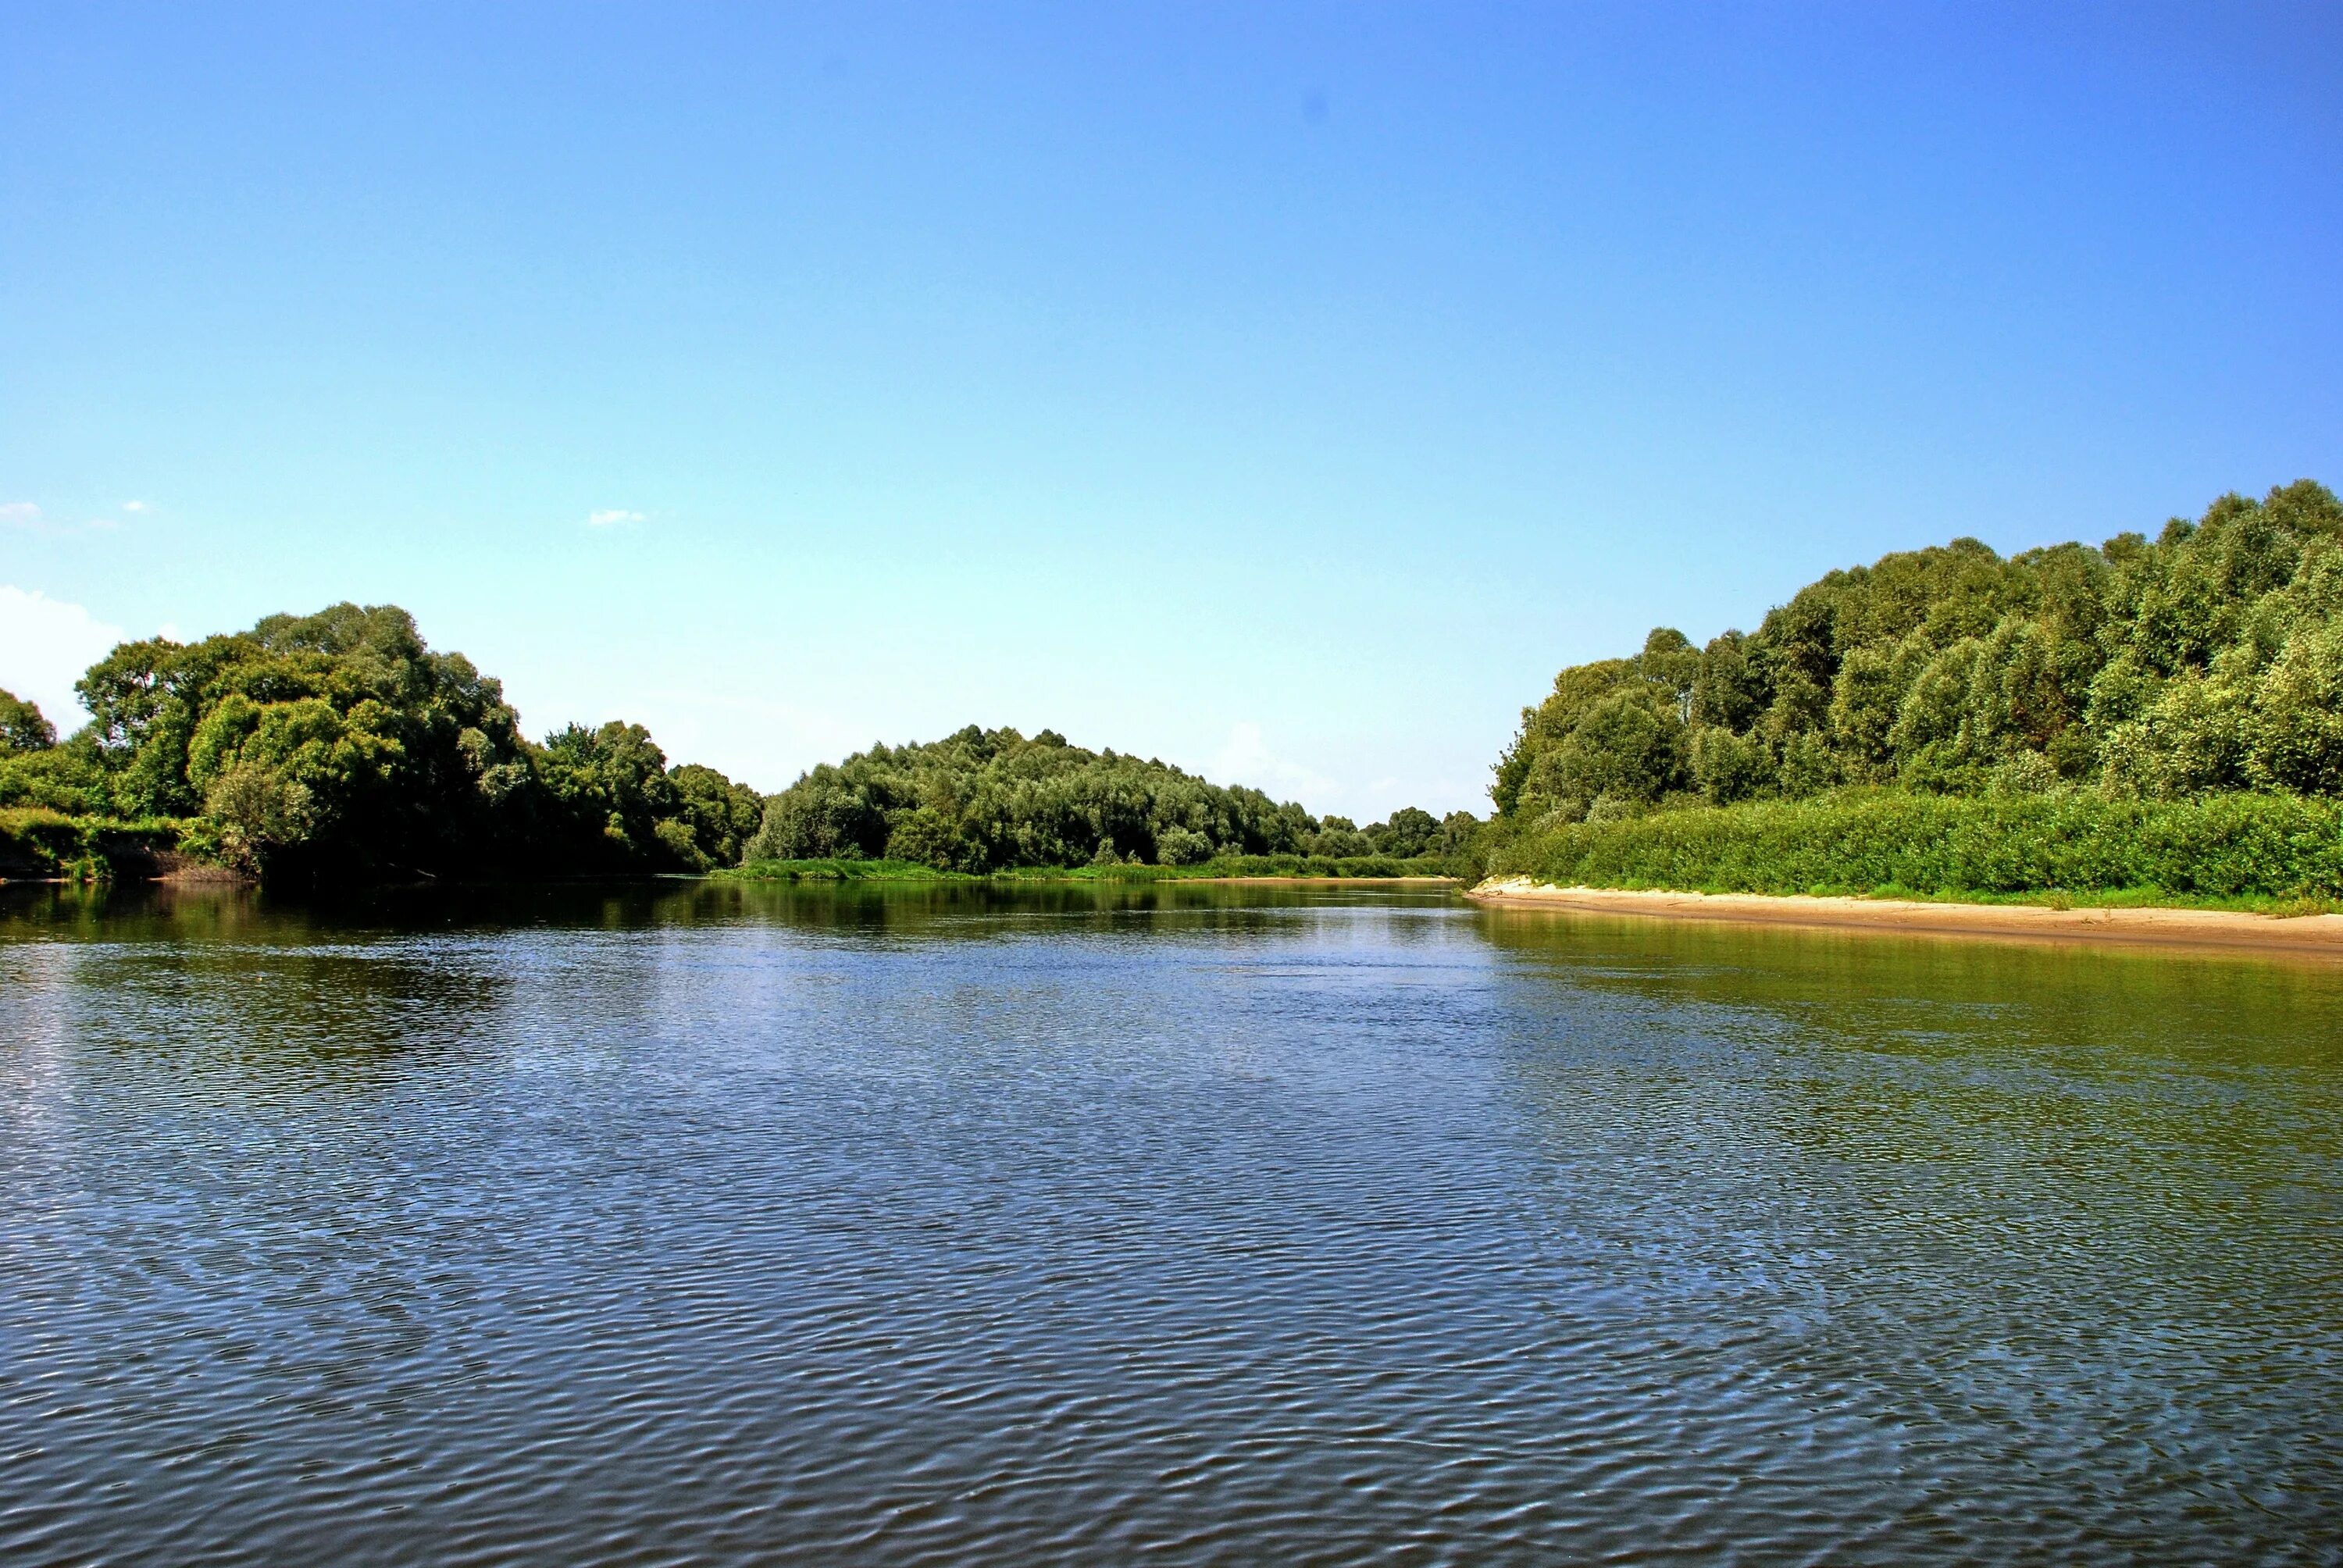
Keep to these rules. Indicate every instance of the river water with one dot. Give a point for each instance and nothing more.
(1243, 1226)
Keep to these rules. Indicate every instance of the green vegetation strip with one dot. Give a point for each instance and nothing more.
(337, 746)
(2280, 853)
(39, 843)
(1228, 868)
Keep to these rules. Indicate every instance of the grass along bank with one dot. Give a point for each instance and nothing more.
(1299, 868)
(2269, 853)
(38, 844)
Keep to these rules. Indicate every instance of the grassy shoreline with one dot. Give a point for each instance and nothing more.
(40, 845)
(2261, 853)
(1244, 867)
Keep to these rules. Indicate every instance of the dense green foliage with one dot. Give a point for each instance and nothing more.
(35, 841)
(2218, 846)
(339, 744)
(2208, 659)
(22, 728)
(834, 871)
(1315, 867)
(983, 800)
(2137, 715)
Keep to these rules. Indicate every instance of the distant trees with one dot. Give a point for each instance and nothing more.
(339, 744)
(2211, 658)
(983, 800)
(721, 815)
(35, 770)
(22, 728)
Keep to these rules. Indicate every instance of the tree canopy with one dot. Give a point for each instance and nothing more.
(22, 728)
(2208, 659)
(339, 743)
(984, 799)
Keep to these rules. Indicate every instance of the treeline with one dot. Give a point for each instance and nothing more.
(2208, 659)
(991, 799)
(338, 745)
(2204, 662)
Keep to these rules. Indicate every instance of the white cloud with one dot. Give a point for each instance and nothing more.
(1246, 758)
(612, 519)
(136, 507)
(44, 646)
(26, 515)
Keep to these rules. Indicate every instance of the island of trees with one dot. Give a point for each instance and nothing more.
(337, 746)
(2157, 717)
(991, 799)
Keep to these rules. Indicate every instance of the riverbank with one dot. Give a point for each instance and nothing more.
(2221, 848)
(2312, 934)
(1239, 869)
(38, 845)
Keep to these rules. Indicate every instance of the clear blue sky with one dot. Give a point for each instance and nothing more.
(1286, 391)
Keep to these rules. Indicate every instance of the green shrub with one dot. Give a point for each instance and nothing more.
(2216, 846)
(37, 842)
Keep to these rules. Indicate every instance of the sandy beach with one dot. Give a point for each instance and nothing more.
(2309, 935)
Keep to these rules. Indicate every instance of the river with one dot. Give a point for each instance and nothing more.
(1204, 1224)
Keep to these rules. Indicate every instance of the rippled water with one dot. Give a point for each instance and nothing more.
(1211, 1225)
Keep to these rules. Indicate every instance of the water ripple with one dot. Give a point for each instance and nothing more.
(1216, 1226)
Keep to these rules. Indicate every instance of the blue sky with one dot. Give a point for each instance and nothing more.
(1285, 391)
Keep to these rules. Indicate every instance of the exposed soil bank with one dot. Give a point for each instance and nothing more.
(2314, 935)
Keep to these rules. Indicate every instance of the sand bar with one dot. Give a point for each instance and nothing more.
(2309, 935)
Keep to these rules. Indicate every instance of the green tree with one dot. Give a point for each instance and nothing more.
(2194, 661)
(2298, 727)
(981, 800)
(1728, 766)
(720, 815)
(611, 791)
(341, 745)
(1408, 832)
(22, 728)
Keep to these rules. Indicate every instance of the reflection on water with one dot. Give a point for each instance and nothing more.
(1225, 1224)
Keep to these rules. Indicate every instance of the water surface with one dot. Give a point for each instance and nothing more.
(1206, 1224)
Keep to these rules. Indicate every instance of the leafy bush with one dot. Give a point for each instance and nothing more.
(2219, 846)
(37, 842)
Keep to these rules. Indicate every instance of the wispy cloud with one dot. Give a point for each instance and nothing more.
(28, 515)
(44, 646)
(613, 518)
(1246, 758)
